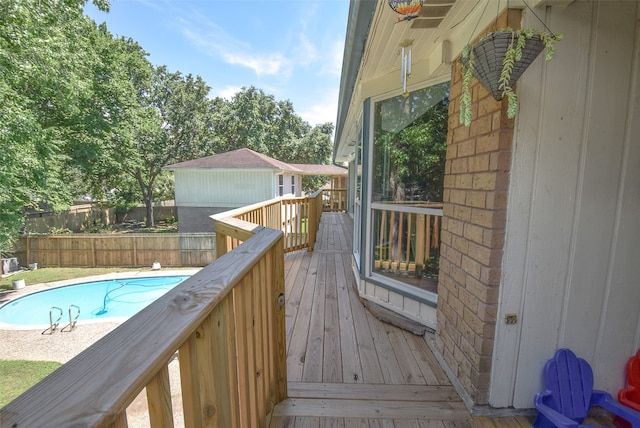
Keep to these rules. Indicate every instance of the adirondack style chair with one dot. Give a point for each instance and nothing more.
(630, 395)
(570, 394)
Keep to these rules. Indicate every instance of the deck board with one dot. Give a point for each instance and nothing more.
(346, 368)
(312, 371)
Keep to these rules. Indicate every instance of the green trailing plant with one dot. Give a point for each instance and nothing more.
(467, 76)
(513, 55)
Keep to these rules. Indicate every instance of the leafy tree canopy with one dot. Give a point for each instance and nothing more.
(83, 111)
(45, 55)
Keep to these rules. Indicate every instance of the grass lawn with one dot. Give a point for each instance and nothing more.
(57, 274)
(19, 375)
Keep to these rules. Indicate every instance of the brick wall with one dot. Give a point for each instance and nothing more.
(475, 201)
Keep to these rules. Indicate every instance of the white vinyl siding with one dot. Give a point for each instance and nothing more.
(223, 188)
(571, 255)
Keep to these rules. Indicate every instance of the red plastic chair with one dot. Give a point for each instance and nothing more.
(570, 394)
(630, 396)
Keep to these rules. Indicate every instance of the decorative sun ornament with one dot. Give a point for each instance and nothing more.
(408, 8)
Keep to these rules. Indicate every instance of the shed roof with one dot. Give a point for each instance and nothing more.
(310, 169)
(236, 159)
(248, 159)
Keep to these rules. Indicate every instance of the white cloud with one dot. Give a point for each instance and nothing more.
(333, 61)
(323, 111)
(227, 92)
(306, 52)
(236, 52)
(267, 64)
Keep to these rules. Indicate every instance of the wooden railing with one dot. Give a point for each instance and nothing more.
(334, 200)
(297, 218)
(407, 236)
(226, 324)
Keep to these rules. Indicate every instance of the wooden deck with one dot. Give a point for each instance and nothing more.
(345, 368)
(348, 369)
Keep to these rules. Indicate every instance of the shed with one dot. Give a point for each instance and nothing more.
(229, 180)
(234, 179)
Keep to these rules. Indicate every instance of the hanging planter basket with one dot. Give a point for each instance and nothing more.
(498, 60)
(489, 54)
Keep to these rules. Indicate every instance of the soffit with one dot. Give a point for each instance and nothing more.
(441, 30)
(437, 22)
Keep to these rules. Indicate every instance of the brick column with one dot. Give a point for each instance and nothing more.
(475, 202)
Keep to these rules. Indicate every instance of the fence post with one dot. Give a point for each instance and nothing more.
(57, 241)
(93, 252)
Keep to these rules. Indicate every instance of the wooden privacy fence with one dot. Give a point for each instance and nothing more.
(227, 325)
(297, 218)
(87, 216)
(93, 250)
(407, 236)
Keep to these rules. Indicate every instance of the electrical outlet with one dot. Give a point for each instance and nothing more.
(511, 318)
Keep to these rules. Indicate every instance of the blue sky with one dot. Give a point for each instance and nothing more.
(291, 49)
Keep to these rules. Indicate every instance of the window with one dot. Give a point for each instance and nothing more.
(281, 185)
(293, 185)
(409, 147)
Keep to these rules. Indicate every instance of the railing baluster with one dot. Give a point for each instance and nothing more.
(221, 344)
(381, 244)
(427, 240)
(159, 400)
(259, 323)
(190, 381)
(278, 340)
(436, 232)
(420, 242)
(408, 243)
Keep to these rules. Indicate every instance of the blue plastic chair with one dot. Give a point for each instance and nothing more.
(570, 394)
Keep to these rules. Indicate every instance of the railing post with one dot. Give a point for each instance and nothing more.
(221, 244)
(312, 227)
(420, 244)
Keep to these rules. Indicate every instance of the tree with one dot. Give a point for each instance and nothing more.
(410, 145)
(255, 120)
(44, 55)
(315, 147)
(121, 83)
(173, 125)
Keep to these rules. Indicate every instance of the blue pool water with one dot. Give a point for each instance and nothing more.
(97, 300)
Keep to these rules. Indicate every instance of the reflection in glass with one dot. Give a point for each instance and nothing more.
(408, 172)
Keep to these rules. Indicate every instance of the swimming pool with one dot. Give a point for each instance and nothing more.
(105, 300)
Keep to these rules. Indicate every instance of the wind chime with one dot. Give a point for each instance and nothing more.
(405, 64)
(410, 10)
